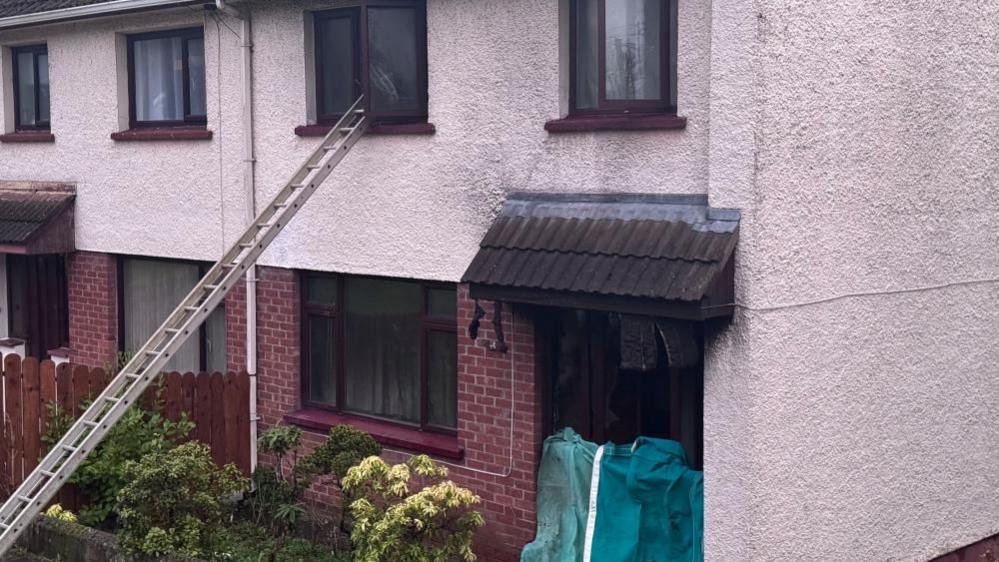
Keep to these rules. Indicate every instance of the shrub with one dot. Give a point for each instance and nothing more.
(102, 476)
(176, 501)
(435, 524)
(345, 446)
(57, 512)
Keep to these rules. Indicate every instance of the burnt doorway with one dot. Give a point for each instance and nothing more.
(38, 302)
(605, 399)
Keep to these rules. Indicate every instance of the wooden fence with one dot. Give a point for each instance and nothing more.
(218, 405)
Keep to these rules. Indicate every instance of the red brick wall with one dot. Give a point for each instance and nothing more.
(235, 320)
(486, 400)
(492, 386)
(93, 307)
(498, 466)
(278, 343)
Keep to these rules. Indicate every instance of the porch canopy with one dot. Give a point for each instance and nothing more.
(36, 218)
(651, 255)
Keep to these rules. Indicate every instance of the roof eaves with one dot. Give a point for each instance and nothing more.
(90, 11)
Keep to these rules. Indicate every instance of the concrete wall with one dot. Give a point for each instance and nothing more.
(862, 152)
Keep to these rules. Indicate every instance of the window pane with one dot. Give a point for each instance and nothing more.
(43, 88)
(151, 291)
(382, 347)
(159, 79)
(196, 76)
(393, 68)
(26, 88)
(215, 342)
(322, 364)
(634, 49)
(442, 303)
(442, 348)
(587, 54)
(335, 75)
(322, 290)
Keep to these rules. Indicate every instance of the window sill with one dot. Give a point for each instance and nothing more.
(28, 136)
(388, 434)
(633, 122)
(164, 134)
(380, 129)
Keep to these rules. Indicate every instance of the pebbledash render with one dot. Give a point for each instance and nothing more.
(801, 197)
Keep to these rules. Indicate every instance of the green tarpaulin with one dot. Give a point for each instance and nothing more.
(617, 503)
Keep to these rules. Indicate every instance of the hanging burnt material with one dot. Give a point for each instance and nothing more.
(499, 344)
(638, 343)
(473, 327)
(681, 346)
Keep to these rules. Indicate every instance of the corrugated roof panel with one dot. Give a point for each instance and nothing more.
(640, 246)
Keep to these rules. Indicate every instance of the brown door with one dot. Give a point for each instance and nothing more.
(38, 302)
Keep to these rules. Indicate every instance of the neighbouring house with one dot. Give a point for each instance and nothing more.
(768, 230)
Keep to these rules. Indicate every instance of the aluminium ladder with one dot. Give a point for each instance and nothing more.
(125, 389)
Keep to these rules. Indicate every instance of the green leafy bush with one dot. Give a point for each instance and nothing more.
(250, 543)
(435, 524)
(176, 501)
(344, 447)
(102, 476)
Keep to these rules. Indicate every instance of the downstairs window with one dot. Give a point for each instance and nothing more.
(149, 290)
(382, 348)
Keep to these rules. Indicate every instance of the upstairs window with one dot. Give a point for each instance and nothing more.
(31, 87)
(623, 56)
(166, 78)
(379, 48)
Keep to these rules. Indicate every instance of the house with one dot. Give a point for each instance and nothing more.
(796, 199)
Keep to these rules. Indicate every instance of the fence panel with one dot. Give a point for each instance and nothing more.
(32, 392)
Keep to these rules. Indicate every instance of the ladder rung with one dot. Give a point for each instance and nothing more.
(211, 287)
(192, 308)
(359, 111)
(263, 225)
(89, 423)
(298, 185)
(112, 400)
(313, 166)
(172, 331)
(25, 499)
(153, 352)
(47, 474)
(133, 376)
(280, 205)
(69, 448)
(347, 130)
(246, 245)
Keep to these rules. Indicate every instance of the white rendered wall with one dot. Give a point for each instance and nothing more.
(859, 139)
(407, 206)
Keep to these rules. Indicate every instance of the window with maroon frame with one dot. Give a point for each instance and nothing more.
(623, 56)
(166, 78)
(30, 67)
(375, 47)
(382, 348)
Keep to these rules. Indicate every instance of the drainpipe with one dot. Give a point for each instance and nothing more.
(249, 187)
